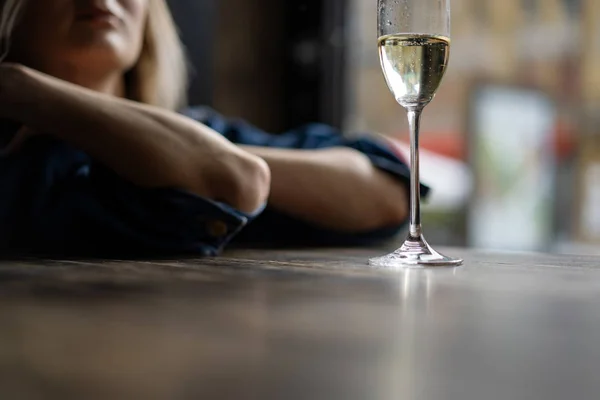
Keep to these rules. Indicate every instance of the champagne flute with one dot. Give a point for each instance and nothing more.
(414, 48)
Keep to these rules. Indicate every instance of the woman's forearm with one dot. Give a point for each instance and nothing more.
(336, 188)
(145, 145)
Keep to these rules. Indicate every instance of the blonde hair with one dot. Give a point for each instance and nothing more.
(159, 77)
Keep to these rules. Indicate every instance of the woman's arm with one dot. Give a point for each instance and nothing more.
(336, 188)
(147, 146)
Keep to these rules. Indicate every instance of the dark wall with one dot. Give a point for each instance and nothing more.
(197, 21)
(275, 63)
(250, 62)
(315, 61)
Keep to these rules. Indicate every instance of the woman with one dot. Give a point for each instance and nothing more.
(102, 163)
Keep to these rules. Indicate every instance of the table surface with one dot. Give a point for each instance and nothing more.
(301, 324)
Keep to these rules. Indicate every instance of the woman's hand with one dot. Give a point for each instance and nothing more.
(13, 86)
(11, 92)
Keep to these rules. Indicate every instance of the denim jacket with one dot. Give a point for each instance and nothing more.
(58, 200)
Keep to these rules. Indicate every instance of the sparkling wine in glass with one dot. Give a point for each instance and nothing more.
(414, 48)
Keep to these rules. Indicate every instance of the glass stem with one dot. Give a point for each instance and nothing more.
(414, 122)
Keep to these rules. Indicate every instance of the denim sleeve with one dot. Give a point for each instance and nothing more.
(62, 202)
(274, 227)
(107, 215)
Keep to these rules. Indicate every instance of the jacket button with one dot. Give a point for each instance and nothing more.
(217, 229)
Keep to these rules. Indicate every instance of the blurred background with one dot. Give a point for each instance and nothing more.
(510, 145)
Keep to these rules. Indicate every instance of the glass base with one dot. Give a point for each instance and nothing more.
(414, 253)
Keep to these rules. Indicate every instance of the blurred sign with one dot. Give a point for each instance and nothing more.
(513, 165)
(587, 206)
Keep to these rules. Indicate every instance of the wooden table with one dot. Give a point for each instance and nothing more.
(301, 325)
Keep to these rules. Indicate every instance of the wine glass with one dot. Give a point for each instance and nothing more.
(414, 47)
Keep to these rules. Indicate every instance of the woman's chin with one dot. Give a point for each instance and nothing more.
(105, 43)
(99, 55)
(100, 22)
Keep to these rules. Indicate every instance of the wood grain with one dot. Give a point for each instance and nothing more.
(300, 324)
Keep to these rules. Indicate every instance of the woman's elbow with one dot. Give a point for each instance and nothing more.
(245, 184)
(390, 218)
(394, 209)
